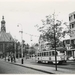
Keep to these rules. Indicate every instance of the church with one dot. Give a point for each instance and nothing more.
(6, 41)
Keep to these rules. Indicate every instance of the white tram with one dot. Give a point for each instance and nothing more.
(49, 56)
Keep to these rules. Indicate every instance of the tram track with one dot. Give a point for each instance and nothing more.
(70, 66)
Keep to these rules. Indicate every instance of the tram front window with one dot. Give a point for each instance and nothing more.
(53, 53)
(61, 53)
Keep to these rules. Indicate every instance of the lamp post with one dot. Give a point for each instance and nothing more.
(15, 50)
(21, 31)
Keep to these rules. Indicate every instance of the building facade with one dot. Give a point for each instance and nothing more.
(6, 40)
(70, 43)
(44, 44)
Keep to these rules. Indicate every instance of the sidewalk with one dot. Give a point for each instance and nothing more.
(46, 69)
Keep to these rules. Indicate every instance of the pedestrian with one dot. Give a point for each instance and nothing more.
(14, 58)
(8, 58)
(11, 59)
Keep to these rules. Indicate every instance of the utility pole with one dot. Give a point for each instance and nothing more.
(15, 51)
(22, 47)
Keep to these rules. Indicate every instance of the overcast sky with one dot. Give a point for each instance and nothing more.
(28, 13)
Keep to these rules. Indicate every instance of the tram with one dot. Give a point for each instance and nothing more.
(47, 56)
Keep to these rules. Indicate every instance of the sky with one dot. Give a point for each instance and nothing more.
(28, 13)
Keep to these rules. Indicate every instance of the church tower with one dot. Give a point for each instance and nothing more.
(3, 28)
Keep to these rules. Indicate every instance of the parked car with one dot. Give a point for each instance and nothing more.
(71, 58)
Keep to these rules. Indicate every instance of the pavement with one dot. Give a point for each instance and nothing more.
(50, 70)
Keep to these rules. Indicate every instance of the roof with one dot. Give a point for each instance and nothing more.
(60, 48)
(6, 37)
(72, 13)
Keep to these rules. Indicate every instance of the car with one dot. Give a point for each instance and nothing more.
(71, 58)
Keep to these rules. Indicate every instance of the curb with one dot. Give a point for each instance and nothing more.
(33, 68)
(37, 69)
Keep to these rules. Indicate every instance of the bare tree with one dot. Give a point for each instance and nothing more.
(47, 30)
(51, 31)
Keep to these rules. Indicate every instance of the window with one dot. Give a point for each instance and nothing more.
(49, 53)
(67, 41)
(38, 54)
(56, 53)
(35, 55)
(61, 51)
(72, 25)
(44, 54)
(69, 18)
(74, 16)
(44, 49)
(53, 53)
(72, 42)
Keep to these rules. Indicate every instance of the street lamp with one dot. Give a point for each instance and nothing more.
(21, 31)
(15, 49)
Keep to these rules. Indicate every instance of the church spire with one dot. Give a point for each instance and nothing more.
(2, 17)
(3, 28)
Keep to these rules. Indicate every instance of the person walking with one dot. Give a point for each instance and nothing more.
(8, 58)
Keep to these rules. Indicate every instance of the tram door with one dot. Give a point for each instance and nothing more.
(69, 53)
